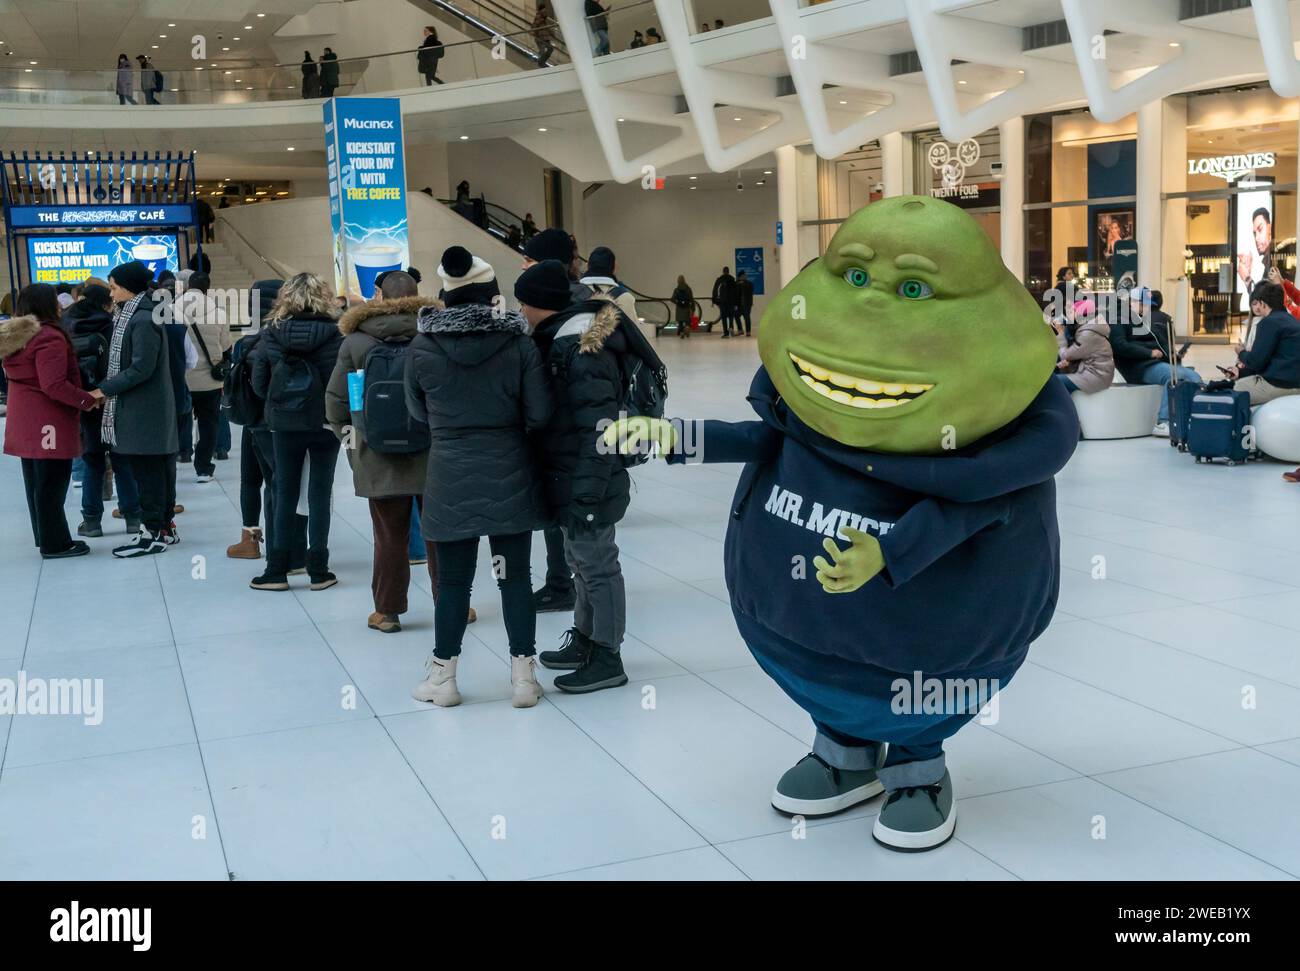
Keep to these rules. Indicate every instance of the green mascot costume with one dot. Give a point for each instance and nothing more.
(893, 548)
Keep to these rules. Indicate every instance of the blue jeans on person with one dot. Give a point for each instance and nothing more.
(92, 487)
(415, 549)
(601, 42)
(1160, 372)
(1065, 382)
(223, 432)
(78, 468)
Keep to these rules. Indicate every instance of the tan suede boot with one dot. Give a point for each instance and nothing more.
(249, 546)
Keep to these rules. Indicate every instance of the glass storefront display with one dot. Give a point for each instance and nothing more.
(846, 184)
(1080, 200)
(1237, 216)
(967, 174)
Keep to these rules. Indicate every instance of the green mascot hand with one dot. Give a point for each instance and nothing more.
(852, 567)
(629, 435)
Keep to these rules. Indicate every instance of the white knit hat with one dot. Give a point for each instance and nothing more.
(459, 268)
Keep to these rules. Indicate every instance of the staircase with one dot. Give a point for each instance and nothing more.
(228, 271)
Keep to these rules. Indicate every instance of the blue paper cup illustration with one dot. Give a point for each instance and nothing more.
(154, 256)
(372, 259)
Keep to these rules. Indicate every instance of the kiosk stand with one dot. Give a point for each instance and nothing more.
(69, 218)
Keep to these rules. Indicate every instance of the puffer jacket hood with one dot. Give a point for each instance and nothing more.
(490, 329)
(302, 335)
(16, 333)
(386, 319)
(1095, 325)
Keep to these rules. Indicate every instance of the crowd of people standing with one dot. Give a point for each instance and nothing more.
(460, 420)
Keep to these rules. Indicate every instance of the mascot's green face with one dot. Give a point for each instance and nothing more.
(909, 335)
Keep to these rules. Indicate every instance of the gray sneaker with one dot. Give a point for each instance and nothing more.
(917, 818)
(813, 788)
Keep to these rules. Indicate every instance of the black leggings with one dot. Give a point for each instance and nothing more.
(456, 563)
(207, 412)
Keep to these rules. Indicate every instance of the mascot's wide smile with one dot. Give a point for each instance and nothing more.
(857, 392)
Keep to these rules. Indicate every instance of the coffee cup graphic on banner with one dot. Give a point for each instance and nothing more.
(373, 258)
(152, 255)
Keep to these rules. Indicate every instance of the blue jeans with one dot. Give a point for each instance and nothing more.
(92, 487)
(415, 549)
(601, 45)
(1160, 372)
(1065, 382)
(223, 431)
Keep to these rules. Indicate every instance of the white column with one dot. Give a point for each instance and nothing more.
(1173, 263)
(895, 160)
(1011, 136)
(1149, 209)
(787, 211)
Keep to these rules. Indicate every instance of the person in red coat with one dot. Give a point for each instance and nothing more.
(43, 426)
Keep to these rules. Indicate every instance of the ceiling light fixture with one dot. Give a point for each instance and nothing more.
(1174, 43)
(735, 119)
(961, 82)
(694, 177)
(767, 171)
(290, 149)
(843, 102)
(541, 129)
(261, 15)
(464, 138)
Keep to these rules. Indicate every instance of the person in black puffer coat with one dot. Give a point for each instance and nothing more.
(89, 322)
(475, 375)
(292, 364)
(588, 488)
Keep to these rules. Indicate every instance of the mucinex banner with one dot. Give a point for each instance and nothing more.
(367, 190)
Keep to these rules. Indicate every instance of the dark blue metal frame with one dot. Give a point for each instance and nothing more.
(55, 182)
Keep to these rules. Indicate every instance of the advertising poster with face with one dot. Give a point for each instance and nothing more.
(1253, 235)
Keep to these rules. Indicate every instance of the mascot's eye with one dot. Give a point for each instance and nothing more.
(857, 277)
(915, 290)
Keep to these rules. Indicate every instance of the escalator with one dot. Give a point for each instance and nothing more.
(487, 19)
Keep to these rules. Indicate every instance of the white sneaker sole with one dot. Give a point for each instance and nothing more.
(825, 807)
(439, 696)
(915, 842)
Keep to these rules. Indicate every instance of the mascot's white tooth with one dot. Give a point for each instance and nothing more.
(821, 388)
(843, 397)
(843, 380)
(870, 387)
(862, 403)
(807, 379)
(820, 373)
(916, 388)
(894, 389)
(888, 403)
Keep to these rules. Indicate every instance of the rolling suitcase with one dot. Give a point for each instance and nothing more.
(1181, 394)
(1216, 425)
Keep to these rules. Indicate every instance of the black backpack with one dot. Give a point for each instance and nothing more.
(157, 80)
(645, 390)
(240, 401)
(296, 394)
(92, 358)
(388, 427)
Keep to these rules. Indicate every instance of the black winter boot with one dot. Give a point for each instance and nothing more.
(276, 575)
(318, 562)
(600, 668)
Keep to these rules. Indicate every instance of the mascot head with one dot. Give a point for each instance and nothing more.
(908, 333)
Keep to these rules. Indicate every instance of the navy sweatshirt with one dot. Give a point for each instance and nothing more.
(969, 537)
(1275, 353)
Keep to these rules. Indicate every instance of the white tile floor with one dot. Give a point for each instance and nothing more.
(1162, 710)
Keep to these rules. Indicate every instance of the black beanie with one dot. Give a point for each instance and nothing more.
(544, 285)
(550, 244)
(601, 262)
(134, 277)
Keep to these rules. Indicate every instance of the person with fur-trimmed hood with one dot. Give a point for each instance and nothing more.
(390, 481)
(474, 375)
(588, 488)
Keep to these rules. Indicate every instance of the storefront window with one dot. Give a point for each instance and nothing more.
(1080, 192)
(1238, 212)
(962, 173)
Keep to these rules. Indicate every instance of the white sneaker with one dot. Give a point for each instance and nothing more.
(203, 479)
(76, 483)
(439, 687)
(523, 681)
(1161, 430)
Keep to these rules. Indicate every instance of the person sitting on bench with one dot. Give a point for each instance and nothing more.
(1271, 367)
(1144, 349)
